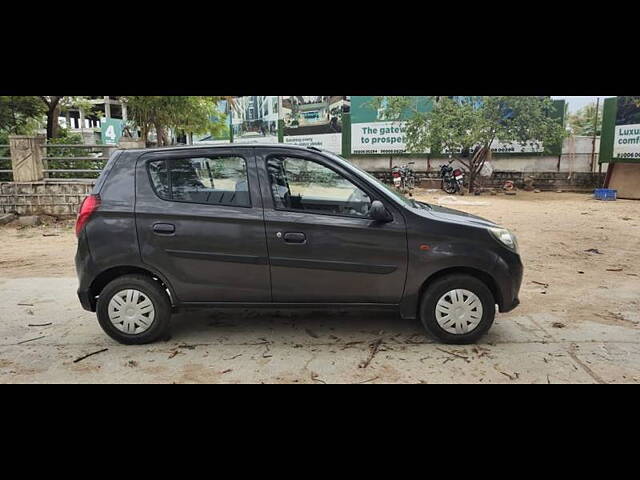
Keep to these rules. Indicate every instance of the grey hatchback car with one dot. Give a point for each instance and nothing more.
(280, 226)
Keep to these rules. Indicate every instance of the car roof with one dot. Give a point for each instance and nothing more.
(222, 146)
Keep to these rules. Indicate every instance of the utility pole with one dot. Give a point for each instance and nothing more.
(595, 132)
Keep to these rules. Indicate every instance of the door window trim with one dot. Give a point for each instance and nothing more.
(326, 165)
(204, 155)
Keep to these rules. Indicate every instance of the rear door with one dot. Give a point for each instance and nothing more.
(200, 222)
(323, 248)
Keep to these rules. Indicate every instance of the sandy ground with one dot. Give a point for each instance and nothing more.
(579, 320)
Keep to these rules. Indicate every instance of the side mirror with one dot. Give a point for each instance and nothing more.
(379, 213)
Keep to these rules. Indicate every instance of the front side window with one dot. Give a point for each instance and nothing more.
(304, 185)
(206, 180)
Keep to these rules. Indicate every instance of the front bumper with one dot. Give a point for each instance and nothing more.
(508, 272)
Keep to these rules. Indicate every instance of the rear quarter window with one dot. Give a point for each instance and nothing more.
(105, 171)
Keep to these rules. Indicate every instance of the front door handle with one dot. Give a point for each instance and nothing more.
(164, 228)
(295, 237)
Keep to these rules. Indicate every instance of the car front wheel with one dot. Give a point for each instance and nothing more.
(457, 309)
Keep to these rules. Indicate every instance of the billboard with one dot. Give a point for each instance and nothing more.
(499, 146)
(626, 137)
(314, 121)
(373, 132)
(254, 119)
(221, 136)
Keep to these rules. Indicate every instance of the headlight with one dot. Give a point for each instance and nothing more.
(505, 237)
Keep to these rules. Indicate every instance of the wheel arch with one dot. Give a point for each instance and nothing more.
(105, 277)
(481, 275)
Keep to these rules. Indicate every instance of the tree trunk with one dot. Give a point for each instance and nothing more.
(56, 124)
(51, 123)
(477, 162)
(53, 110)
(472, 179)
(145, 134)
(160, 135)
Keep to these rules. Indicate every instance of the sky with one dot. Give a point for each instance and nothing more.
(576, 103)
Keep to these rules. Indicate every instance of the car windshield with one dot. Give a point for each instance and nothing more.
(392, 192)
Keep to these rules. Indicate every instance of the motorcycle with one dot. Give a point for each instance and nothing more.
(404, 178)
(452, 180)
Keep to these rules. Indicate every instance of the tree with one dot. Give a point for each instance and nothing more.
(19, 114)
(189, 114)
(53, 109)
(583, 121)
(465, 127)
(55, 105)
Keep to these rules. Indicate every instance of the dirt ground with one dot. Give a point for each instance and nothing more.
(579, 320)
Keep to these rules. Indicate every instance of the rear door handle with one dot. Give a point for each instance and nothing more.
(164, 228)
(295, 237)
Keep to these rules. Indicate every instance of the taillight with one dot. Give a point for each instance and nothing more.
(87, 207)
(396, 174)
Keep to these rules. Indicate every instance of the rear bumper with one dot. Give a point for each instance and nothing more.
(85, 300)
(512, 306)
(84, 268)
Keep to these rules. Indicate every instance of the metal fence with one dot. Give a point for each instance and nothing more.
(5, 163)
(63, 161)
(73, 161)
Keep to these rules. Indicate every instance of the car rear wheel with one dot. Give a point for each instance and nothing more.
(457, 309)
(134, 309)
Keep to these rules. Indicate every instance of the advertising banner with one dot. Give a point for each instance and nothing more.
(254, 119)
(223, 135)
(314, 121)
(626, 139)
(373, 132)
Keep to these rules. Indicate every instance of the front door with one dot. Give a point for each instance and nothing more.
(323, 248)
(200, 223)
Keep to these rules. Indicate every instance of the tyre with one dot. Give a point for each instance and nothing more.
(411, 183)
(457, 309)
(449, 187)
(134, 309)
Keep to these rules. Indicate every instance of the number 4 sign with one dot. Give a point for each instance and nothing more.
(111, 131)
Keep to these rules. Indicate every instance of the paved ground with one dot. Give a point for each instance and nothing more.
(579, 321)
(290, 346)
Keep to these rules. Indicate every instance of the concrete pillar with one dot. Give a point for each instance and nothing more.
(107, 107)
(124, 112)
(26, 158)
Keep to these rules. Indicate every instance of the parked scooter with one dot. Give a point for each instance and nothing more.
(404, 178)
(452, 180)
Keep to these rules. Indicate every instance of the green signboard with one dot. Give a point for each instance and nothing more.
(111, 129)
(373, 132)
(620, 140)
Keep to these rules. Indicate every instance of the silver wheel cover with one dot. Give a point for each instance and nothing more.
(459, 311)
(131, 311)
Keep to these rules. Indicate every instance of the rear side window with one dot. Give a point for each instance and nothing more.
(206, 180)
